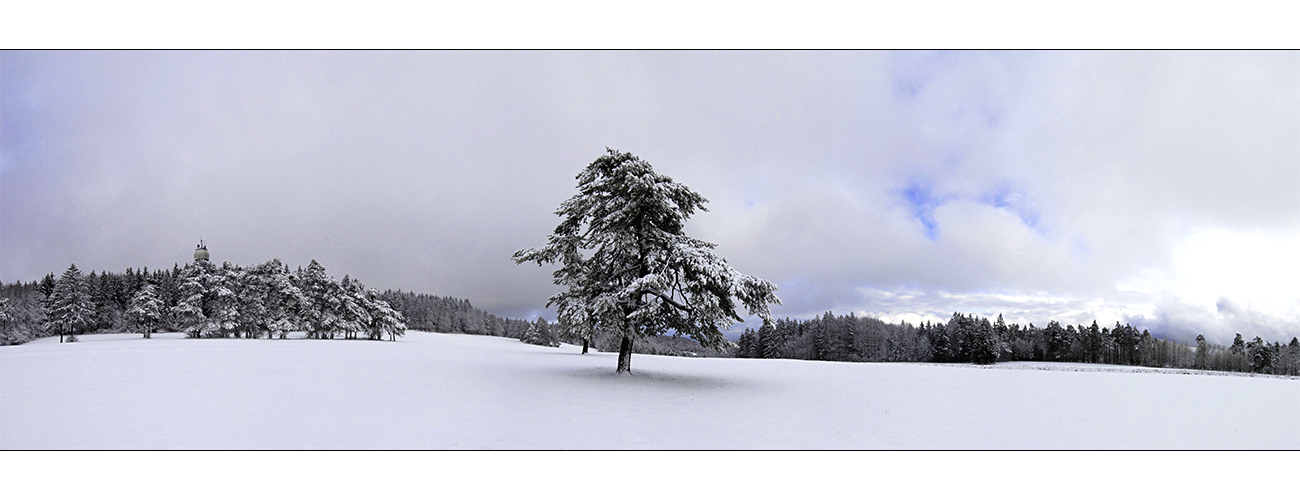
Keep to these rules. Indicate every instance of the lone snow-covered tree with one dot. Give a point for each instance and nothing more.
(629, 269)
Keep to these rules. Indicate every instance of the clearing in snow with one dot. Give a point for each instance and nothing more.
(448, 391)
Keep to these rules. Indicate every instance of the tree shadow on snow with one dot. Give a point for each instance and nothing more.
(653, 378)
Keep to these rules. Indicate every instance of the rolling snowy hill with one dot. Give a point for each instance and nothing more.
(444, 391)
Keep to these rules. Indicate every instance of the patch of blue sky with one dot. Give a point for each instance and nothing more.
(911, 71)
(1007, 197)
(921, 202)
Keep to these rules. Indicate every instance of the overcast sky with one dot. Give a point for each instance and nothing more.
(1158, 188)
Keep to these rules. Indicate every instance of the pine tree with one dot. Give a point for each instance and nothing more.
(384, 320)
(1294, 350)
(1260, 354)
(767, 341)
(628, 267)
(192, 307)
(353, 313)
(1239, 360)
(70, 309)
(146, 310)
(287, 305)
(540, 333)
(546, 333)
(1238, 345)
(321, 318)
(817, 330)
(984, 349)
(747, 344)
(1202, 352)
(225, 311)
(47, 285)
(941, 340)
(1094, 342)
(530, 335)
(1058, 343)
(1002, 336)
(7, 317)
(252, 288)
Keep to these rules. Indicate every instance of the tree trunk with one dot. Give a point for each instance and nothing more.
(584, 346)
(625, 355)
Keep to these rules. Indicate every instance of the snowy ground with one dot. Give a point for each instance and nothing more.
(442, 391)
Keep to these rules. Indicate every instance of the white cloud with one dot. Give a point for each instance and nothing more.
(1146, 185)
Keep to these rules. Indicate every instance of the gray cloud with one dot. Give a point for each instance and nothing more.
(889, 183)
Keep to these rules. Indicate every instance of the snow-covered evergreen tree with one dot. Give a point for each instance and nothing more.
(1202, 352)
(225, 302)
(6, 312)
(354, 312)
(384, 320)
(1238, 345)
(540, 333)
(530, 335)
(1058, 344)
(321, 316)
(191, 309)
(1094, 342)
(70, 309)
(1293, 350)
(1002, 336)
(252, 288)
(9, 331)
(628, 267)
(146, 310)
(984, 346)
(285, 302)
(548, 333)
(1260, 354)
(48, 282)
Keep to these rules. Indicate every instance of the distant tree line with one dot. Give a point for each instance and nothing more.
(269, 300)
(972, 339)
(202, 300)
(451, 315)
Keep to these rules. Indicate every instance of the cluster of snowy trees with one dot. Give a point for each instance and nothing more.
(1253, 356)
(202, 300)
(22, 313)
(541, 333)
(268, 300)
(972, 339)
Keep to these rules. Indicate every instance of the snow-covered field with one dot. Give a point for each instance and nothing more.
(444, 391)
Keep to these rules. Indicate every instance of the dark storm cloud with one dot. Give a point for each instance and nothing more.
(1042, 184)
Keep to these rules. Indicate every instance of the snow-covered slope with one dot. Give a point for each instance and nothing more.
(440, 391)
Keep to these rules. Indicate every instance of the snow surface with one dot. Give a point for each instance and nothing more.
(446, 391)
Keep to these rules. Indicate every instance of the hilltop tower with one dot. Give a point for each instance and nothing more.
(201, 251)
